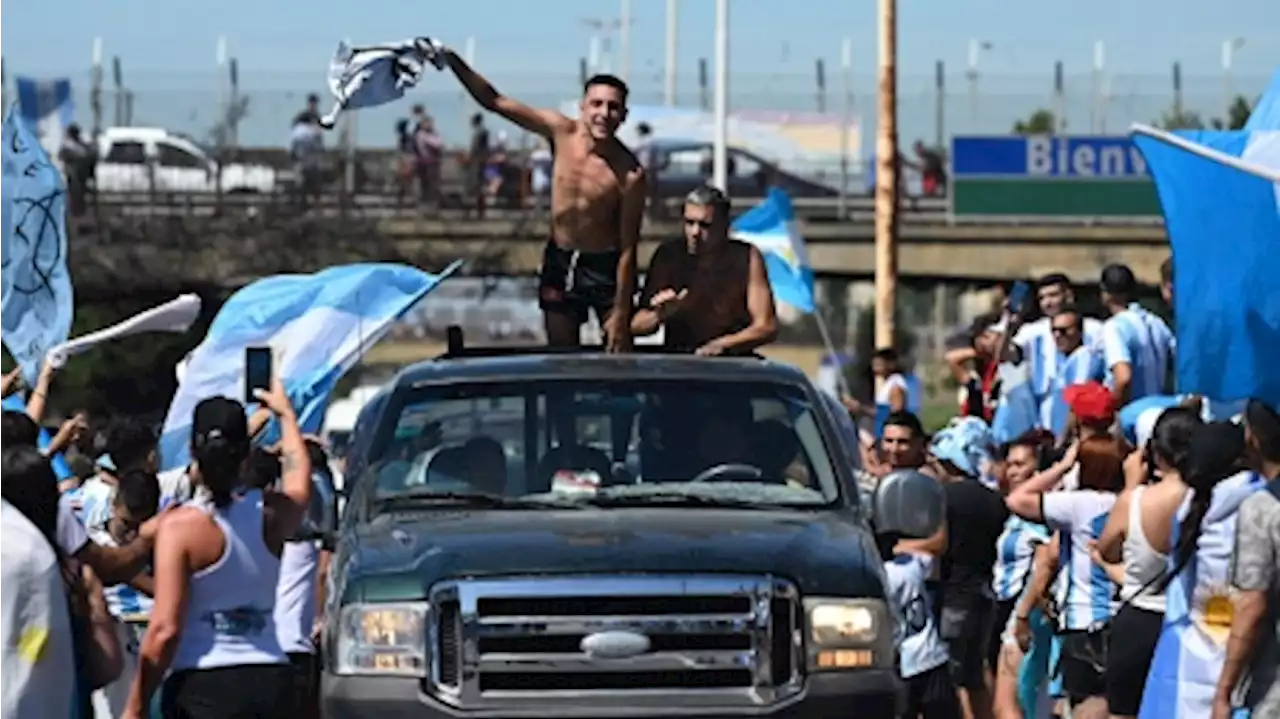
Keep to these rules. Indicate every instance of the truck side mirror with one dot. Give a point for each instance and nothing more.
(908, 504)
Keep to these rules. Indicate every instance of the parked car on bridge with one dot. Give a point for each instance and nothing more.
(681, 165)
(141, 159)
(532, 532)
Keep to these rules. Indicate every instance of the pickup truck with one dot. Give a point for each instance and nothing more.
(534, 532)
(142, 159)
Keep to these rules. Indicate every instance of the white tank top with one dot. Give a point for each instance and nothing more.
(1142, 564)
(295, 611)
(886, 391)
(229, 618)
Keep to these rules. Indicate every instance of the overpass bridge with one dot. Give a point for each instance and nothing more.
(125, 249)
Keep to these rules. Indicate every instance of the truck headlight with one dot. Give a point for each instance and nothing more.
(848, 634)
(382, 639)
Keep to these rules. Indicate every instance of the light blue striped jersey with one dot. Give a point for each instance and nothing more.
(123, 601)
(1035, 340)
(1086, 595)
(1015, 549)
(96, 496)
(920, 646)
(1142, 340)
(1083, 365)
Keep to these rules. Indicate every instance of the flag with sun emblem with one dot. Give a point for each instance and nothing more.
(1197, 621)
(771, 227)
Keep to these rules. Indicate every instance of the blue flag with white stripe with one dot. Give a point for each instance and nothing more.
(318, 326)
(1220, 192)
(35, 288)
(47, 107)
(1266, 114)
(771, 227)
(1017, 410)
(14, 403)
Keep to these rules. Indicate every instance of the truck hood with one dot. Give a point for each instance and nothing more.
(398, 557)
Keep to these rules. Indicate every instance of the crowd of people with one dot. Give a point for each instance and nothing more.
(1121, 557)
(195, 592)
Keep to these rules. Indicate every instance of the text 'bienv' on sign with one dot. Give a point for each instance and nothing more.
(1083, 157)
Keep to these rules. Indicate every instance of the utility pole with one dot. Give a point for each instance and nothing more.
(1229, 48)
(669, 86)
(624, 39)
(846, 117)
(720, 149)
(601, 34)
(976, 47)
(95, 87)
(887, 178)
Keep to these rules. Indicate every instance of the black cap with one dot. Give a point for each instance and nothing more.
(1118, 279)
(1215, 450)
(220, 421)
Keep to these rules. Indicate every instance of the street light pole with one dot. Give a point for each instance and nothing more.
(886, 277)
(669, 89)
(976, 47)
(624, 39)
(720, 156)
(1229, 48)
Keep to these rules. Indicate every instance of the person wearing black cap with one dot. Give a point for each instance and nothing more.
(217, 565)
(1253, 651)
(1137, 345)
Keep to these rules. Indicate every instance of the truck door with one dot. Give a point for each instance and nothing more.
(179, 170)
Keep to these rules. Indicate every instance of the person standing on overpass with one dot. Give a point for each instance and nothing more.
(597, 205)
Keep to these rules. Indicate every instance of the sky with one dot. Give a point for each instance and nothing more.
(526, 46)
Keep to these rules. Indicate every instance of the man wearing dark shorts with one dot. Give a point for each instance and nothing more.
(598, 194)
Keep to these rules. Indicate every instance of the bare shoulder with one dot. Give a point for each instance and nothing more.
(746, 249)
(179, 521)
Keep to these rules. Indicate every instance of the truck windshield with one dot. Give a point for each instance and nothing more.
(609, 443)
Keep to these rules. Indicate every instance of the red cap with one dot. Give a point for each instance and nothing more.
(1091, 402)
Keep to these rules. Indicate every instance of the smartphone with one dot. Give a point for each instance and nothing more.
(1018, 297)
(257, 371)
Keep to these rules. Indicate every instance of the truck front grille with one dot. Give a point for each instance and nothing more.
(712, 641)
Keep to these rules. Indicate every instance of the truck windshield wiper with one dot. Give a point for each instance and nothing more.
(486, 500)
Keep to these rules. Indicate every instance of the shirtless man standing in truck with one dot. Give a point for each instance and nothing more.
(597, 203)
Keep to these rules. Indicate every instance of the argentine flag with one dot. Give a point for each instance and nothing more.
(318, 325)
(1220, 192)
(47, 107)
(771, 227)
(1192, 647)
(1017, 410)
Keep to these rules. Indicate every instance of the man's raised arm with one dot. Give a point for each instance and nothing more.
(543, 122)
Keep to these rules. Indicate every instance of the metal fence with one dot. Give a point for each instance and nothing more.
(928, 109)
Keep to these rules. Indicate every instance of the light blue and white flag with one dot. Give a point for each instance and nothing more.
(1192, 647)
(47, 107)
(318, 325)
(1017, 411)
(771, 227)
(1220, 192)
(372, 75)
(1266, 114)
(36, 301)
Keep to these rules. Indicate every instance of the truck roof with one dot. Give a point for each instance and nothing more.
(548, 363)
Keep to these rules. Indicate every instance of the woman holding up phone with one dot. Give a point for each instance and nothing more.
(217, 563)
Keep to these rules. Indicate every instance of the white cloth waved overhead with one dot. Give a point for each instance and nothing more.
(371, 75)
(173, 316)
